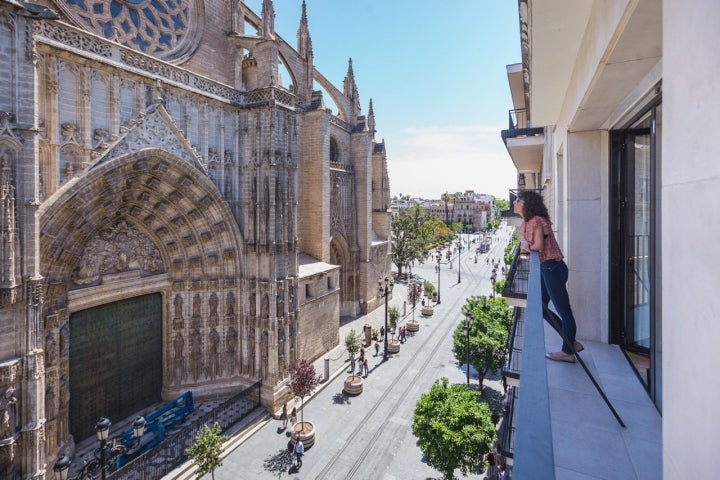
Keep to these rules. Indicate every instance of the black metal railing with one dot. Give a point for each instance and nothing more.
(512, 366)
(170, 453)
(506, 432)
(516, 280)
(533, 452)
(519, 126)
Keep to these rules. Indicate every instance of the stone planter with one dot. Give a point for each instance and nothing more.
(413, 325)
(426, 311)
(394, 346)
(353, 385)
(304, 431)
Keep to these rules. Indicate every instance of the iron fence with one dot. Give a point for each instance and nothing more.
(172, 452)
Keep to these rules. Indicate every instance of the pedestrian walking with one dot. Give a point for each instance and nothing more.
(352, 363)
(293, 416)
(377, 348)
(382, 332)
(284, 415)
(365, 367)
(299, 452)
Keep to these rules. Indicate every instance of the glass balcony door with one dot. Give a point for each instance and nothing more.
(635, 246)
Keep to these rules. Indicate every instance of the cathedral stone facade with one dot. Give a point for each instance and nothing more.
(180, 210)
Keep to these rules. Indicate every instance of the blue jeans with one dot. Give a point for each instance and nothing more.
(554, 275)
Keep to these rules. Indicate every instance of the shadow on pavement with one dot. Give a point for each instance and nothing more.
(280, 462)
(341, 399)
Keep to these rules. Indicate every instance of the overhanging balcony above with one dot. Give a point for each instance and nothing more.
(524, 143)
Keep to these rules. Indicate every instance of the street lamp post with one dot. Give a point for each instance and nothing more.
(384, 289)
(459, 245)
(438, 300)
(102, 428)
(89, 470)
(466, 328)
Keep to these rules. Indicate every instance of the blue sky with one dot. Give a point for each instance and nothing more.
(436, 74)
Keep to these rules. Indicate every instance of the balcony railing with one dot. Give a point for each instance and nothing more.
(511, 369)
(516, 282)
(519, 126)
(533, 453)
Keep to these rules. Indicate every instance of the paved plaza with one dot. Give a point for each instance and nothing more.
(369, 435)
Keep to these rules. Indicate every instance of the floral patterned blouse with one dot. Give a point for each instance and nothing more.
(551, 250)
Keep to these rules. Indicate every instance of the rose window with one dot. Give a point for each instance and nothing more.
(162, 28)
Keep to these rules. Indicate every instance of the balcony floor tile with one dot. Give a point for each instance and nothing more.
(588, 442)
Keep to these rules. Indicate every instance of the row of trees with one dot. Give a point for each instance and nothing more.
(452, 423)
(415, 232)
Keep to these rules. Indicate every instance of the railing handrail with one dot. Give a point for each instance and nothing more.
(533, 457)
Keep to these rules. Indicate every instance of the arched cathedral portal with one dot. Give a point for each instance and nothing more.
(112, 235)
(340, 255)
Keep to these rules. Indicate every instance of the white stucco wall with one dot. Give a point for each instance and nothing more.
(690, 186)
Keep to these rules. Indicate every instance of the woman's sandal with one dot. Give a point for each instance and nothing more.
(561, 357)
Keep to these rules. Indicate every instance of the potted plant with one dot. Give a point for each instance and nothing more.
(353, 383)
(393, 317)
(303, 381)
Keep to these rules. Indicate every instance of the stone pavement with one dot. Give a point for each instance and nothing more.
(367, 436)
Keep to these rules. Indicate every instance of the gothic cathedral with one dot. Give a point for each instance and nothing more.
(187, 204)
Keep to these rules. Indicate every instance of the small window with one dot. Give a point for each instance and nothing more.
(307, 291)
(334, 152)
(329, 284)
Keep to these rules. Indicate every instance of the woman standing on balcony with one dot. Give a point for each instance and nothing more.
(539, 237)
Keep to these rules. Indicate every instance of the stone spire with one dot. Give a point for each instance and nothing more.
(371, 120)
(268, 19)
(304, 41)
(350, 90)
(305, 50)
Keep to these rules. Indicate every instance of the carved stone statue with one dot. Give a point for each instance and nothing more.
(196, 354)
(8, 413)
(179, 357)
(214, 367)
(231, 349)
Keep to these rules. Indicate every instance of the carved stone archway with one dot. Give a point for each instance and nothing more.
(145, 222)
(340, 255)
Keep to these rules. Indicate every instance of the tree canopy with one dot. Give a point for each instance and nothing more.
(409, 237)
(452, 428)
(352, 342)
(206, 452)
(303, 381)
(489, 333)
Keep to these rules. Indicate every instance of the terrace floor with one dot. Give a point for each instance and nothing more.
(588, 442)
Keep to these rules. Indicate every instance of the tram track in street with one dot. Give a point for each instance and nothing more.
(400, 381)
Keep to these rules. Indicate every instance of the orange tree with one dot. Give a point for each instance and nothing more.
(488, 338)
(453, 428)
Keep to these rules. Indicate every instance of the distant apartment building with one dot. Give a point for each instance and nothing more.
(474, 211)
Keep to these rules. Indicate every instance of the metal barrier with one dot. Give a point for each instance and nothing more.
(533, 456)
(173, 451)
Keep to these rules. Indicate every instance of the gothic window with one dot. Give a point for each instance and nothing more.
(334, 151)
(163, 28)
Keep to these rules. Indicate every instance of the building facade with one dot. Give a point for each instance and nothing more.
(173, 217)
(611, 103)
(474, 211)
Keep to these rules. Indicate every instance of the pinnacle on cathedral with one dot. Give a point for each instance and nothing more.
(268, 18)
(303, 35)
(350, 89)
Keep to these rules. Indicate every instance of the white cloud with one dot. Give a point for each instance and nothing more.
(427, 161)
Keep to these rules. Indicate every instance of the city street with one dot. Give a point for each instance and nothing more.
(369, 436)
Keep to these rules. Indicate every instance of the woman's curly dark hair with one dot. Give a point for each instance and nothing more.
(533, 205)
